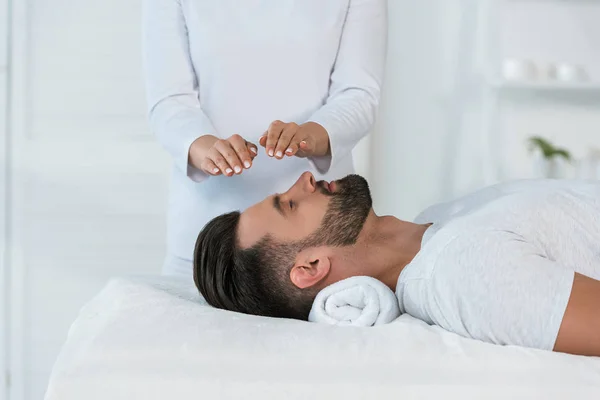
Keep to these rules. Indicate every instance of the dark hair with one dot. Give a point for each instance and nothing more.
(257, 280)
(250, 281)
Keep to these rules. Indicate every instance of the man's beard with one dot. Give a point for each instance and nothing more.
(346, 214)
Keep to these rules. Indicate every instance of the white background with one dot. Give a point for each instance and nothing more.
(88, 184)
(3, 226)
(88, 181)
(419, 156)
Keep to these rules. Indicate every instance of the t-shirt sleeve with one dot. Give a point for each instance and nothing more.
(499, 288)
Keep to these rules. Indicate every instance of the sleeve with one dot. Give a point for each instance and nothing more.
(351, 107)
(176, 116)
(499, 288)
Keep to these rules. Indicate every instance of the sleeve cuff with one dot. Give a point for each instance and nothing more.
(321, 164)
(196, 174)
(183, 165)
(336, 146)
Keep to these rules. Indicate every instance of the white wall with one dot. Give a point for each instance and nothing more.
(3, 269)
(89, 182)
(420, 154)
(411, 140)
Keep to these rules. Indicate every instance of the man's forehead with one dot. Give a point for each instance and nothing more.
(253, 225)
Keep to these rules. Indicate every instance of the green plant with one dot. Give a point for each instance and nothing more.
(548, 149)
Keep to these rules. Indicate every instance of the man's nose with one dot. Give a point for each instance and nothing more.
(307, 182)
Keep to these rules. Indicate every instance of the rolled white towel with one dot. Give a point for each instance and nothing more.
(356, 301)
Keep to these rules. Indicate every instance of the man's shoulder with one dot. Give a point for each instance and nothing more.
(447, 246)
(493, 198)
(460, 252)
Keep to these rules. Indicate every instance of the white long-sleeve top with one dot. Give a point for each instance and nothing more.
(222, 67)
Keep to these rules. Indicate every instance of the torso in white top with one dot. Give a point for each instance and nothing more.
(228, 66)
(498, 265)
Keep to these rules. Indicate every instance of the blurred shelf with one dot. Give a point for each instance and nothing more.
(557, 87)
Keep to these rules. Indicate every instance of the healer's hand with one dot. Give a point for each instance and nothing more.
(222, 156)
(290, 139)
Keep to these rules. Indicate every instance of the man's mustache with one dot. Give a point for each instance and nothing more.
(323, 187)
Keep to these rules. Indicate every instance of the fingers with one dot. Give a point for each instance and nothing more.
(273, 134)
(293, 148)
(300, 145)
(219, 161)
(281, 139)
(240, 146)
(253, 149)
(210, 167)
(288, 134)
(229, 157)
(306, 145)
(305, 148)
(263, 140)
(228, 153)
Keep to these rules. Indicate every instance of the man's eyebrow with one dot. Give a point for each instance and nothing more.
(277, 204)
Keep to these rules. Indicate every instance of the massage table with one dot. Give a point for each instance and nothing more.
(155, 338)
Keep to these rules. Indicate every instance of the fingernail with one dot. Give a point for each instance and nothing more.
(279, 154)
(237, 169)
(252, 149)
(247, 164)
(228, 171)
(289, 151)
(271, 153)
(216, 171)
(303, 142)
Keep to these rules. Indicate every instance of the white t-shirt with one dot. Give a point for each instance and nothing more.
(498, 265)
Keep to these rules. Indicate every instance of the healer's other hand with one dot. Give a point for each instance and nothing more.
(290, 139)
(222, 156)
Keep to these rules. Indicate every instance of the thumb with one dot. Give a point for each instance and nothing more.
(307, 145)
(252, 148)
(263, 140)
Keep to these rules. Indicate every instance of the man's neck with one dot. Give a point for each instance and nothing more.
(391, 245)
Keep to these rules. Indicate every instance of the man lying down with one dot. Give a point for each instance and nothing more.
(512, 264)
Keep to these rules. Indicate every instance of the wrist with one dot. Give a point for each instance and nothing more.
(199, 149)
(320, 137)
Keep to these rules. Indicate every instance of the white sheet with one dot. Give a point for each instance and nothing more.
(151, 338)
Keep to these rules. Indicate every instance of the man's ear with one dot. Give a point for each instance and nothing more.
(311, 267)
